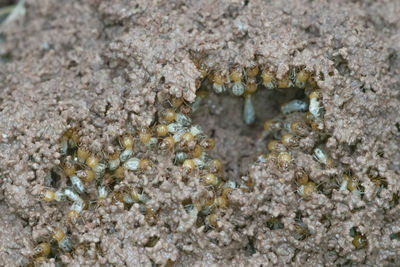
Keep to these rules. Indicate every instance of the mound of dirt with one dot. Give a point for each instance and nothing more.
(109, 67)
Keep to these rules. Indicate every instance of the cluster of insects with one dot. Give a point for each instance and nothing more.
(245, 81)
(298, 119)
(83, 170)
(173, 133)
(189, 147)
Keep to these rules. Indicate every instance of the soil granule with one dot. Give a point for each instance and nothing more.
(105, 67)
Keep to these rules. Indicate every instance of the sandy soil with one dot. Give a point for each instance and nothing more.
(107, 67)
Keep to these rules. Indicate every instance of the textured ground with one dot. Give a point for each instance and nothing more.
(103, 65)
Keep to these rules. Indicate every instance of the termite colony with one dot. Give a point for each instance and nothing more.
(299, 118)
(93, 179)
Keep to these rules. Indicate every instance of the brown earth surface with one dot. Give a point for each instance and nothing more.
(107, 67)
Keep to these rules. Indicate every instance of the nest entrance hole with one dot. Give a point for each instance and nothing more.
(238, 144)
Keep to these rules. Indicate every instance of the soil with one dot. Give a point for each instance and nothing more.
(106, 67)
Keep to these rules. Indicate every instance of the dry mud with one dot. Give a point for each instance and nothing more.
(103, 65)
